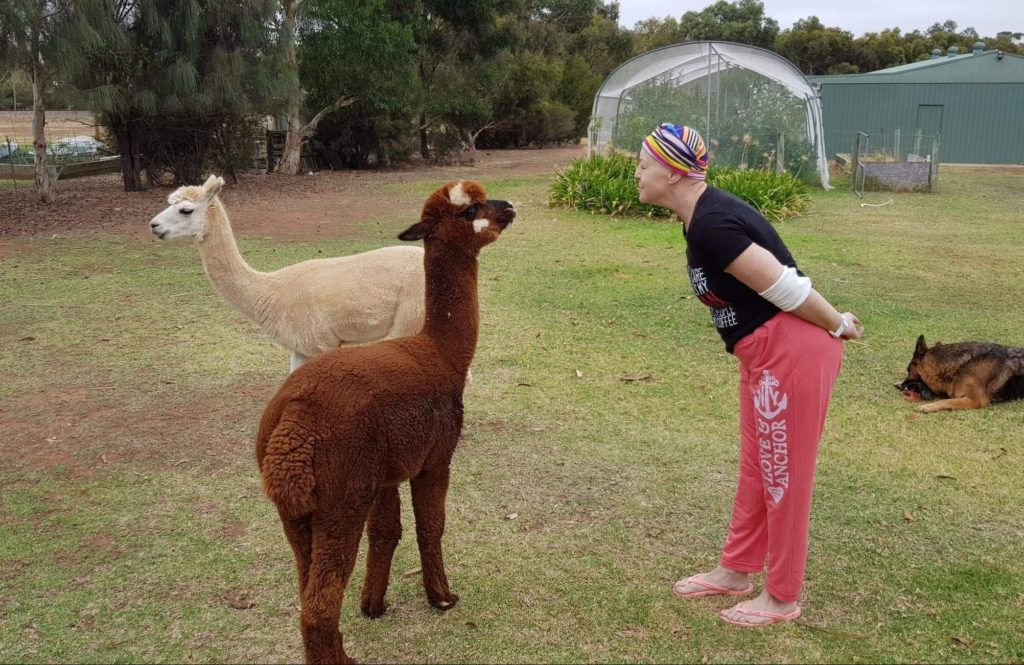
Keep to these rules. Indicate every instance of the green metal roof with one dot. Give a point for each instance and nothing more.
(921, 64)
(985, 67)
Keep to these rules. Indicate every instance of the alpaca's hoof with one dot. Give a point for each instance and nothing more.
(446, 603)
(373, 610)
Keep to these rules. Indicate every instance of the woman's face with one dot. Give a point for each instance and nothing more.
(652, 180)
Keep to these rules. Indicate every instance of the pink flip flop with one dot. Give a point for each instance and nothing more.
(709, 589)
(773, 617)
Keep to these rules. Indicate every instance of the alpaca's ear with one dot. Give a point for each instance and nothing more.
(417, 231)
(212, 186)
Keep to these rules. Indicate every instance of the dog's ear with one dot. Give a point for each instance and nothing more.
(921, 347)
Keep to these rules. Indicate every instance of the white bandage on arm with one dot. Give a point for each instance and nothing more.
(789, 291)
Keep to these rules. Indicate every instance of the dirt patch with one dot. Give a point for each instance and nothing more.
(327, 204)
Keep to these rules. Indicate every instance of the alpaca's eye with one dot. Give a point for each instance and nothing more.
(186, 211)
(470, 212)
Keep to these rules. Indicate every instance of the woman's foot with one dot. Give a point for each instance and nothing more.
(764, 610)
(720, 581)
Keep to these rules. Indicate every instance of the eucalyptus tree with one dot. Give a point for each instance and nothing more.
(293, 16)
(358, 54)
(174, 81)
(26, 31)
(817, 49)
(743, 21)
(448, 35)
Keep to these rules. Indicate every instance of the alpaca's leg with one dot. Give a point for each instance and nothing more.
(428, 495)
(300, 537)
(335, 547)
(297, 361)
(384, 530)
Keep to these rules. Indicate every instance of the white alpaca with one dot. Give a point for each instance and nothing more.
(309, 307)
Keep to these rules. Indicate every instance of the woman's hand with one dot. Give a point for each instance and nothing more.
(852, 328)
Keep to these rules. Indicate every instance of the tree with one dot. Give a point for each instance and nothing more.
(653, 33)
(878, 50)
(447, 32)
(335, 37)
(742, 21)
(26, 27)
(815, 49)
(292, 156)
(201, 68)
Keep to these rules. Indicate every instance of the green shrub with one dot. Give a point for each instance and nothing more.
(605, 185)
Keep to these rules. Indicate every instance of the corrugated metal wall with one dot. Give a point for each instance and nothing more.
(980, 122)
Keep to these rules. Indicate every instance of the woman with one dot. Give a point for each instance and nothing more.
(787, 338)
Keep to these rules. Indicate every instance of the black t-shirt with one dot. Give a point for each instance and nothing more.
(723, 226)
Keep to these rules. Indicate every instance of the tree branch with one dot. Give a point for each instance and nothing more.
(339, 103)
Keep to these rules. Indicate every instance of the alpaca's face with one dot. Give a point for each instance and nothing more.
(460, 214)
(185, 217)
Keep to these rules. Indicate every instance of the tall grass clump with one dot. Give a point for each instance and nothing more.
(605, 185)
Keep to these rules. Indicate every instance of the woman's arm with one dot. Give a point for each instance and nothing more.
(759, 269)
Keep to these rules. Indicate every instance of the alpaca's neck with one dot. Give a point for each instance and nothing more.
(230, 274)
(453, 312)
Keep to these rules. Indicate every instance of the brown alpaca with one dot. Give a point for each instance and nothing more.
(350, 425)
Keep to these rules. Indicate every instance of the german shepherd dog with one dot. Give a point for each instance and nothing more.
(967, 375)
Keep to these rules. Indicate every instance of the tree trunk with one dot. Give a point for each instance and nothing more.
(291, 158)
(39, 137)
(296, 131)
(424, 149)
(131, 159)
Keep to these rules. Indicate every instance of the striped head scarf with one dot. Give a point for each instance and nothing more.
(679, 148)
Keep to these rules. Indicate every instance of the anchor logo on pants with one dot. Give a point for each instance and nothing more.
(772, 437)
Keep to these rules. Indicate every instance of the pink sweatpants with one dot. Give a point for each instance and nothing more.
(787, 369)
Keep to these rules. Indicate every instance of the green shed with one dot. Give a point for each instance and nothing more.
(974, 103)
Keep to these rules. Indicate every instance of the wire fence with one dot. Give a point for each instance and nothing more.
(893, 161)
(74, 146)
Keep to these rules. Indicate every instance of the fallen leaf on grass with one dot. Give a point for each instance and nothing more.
(964, 640)
(579, 374)
(636, 377)
(27, 339)
(412, 571)
(943, 476)
(1002, 451)
(908, 516)
(512, 516)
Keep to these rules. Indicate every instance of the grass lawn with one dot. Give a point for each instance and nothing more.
(133, 528)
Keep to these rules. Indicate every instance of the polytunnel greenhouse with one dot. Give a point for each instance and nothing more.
(754, 108)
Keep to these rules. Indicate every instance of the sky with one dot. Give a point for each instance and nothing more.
(859, 16)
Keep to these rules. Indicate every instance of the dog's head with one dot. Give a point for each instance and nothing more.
(913, 387)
